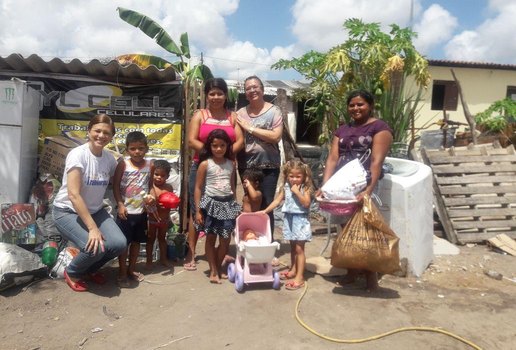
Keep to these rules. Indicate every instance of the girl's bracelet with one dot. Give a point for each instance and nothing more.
(251, 130)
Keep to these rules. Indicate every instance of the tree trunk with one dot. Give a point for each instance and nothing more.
(193, 99)
(289, 145)
(469, 118)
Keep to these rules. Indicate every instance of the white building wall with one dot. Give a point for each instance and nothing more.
(481, 87)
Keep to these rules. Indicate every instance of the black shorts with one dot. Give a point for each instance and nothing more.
(134, 228)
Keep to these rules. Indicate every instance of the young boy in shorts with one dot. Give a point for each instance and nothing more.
(130, 184)
(159, 222)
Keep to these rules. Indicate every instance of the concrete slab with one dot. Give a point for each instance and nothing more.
(321, 266)
(444, 247)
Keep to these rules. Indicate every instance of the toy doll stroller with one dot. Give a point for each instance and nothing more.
(253, 260)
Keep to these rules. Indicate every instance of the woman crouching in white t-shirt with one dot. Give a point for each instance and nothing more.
(78, 206)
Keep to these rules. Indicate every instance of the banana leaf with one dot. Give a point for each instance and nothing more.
(199, 72)
(185, 46)
(151, 29)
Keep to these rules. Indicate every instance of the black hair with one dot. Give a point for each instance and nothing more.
(102, 119)
(135, 136)
(254, 77)
(216, 134)
(217, 83)
(253, 175)
(366, 95)
(162, 164)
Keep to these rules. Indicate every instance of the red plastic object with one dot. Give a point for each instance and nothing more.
(169, 200)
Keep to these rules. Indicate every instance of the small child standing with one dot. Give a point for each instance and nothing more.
(131, 178)
(158, 224)
(297, 193)
(217, 209)
(251, 181)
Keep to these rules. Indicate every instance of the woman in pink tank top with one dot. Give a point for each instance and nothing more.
(216, 116)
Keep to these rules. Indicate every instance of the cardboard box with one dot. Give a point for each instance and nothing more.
(55, 149)
(53, 156)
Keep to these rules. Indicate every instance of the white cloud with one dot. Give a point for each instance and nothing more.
(319, 24)
(89, 29)
(492, 41)
(93, 29)
(465, 47)
(242, 59)
(202, 19)
(435, 27)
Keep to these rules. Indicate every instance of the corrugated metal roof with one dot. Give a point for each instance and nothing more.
(464, 64)
(111, 70)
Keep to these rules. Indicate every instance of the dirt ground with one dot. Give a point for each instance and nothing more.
(177, 309)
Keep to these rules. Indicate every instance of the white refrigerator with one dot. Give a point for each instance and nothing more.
(19, 125)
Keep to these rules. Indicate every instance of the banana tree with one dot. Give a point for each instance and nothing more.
(153, 30)
(198, 73)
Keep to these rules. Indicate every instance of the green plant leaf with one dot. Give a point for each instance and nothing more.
(364, 61)
(199, 72)
(497, 116)
(151, 29)
(185, 46)
(232, 94)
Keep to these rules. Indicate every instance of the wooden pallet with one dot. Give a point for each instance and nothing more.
(474, 191)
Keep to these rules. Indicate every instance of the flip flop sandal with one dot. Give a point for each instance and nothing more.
(97, 278)
(190, 266)
(79, 286)
(136, 276)
(285, 275)
(293, 285)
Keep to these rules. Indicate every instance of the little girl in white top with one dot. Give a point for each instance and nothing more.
(216, 209)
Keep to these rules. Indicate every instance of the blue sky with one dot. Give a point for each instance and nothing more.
(240, 38)
(273, 32)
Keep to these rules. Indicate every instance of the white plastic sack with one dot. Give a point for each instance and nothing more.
(346, 183)
(64, 259)
(18, 266)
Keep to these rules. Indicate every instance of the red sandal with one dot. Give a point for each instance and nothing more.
(293, 285)
(97, 277)
(286, 275)
(79, 286)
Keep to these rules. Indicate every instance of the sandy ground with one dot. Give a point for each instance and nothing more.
(177, 309)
